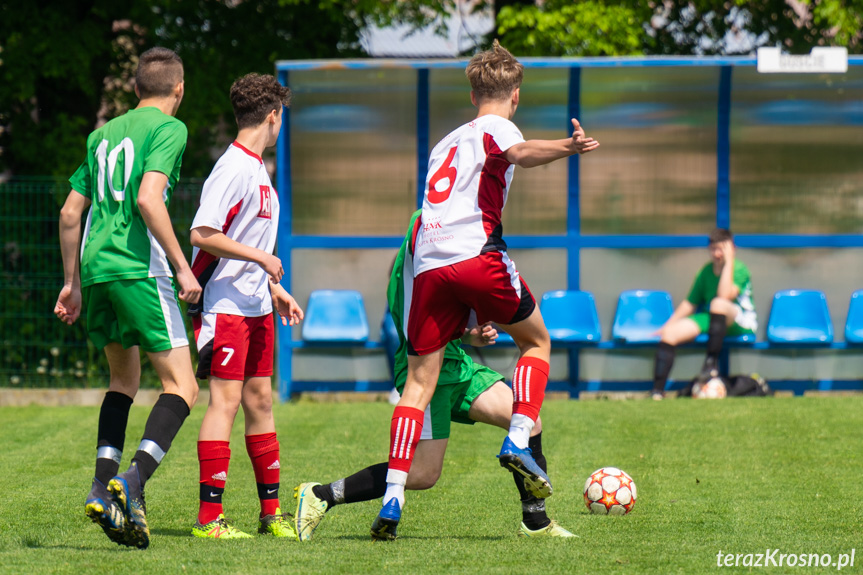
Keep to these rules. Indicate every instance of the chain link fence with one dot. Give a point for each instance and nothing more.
(37, 349)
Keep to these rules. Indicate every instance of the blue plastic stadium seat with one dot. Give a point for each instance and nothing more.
(799, 317)
(337, 317)
(733, 339)
(570, 316)
(854, 322)
(640, 314)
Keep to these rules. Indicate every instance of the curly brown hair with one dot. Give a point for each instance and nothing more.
(495, 73)
(159, 71)
(254, 96)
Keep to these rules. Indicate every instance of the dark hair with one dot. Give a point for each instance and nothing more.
(495, 73)
(254, 96)
(159, 72)
(720, 235)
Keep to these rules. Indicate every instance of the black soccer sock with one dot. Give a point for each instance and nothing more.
(662, 365)
(532, 508)
(365, 485)
(164, 422)
(113, 418)
(715, 335)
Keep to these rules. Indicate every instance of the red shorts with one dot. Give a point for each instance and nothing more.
(233, 346)
(441, 300)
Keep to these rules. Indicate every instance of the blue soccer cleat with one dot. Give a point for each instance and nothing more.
(521, 461)
(127, 493)
(102, 510)
(385, 524)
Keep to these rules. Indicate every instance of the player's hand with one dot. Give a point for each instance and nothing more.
(580, 143)
(68, 306)
(190, 289)
(286, 306)
(728, 250)
(273, 266)
(480, 335)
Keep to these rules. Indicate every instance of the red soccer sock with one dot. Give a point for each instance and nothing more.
(528, 386)
(406, 428)
(264, 452)
(213, 460)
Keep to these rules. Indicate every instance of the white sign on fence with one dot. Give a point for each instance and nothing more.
(820, 60)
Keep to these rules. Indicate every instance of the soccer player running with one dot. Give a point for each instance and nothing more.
(234, 234)
(719, 303)
(461, 264)
(126, 181)
(466, 392)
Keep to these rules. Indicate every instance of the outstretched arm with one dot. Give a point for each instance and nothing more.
(534, 153)
(155, 214)
(68, 306)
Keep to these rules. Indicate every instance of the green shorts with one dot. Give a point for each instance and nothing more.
(142, 312)
(452, 399)
(702, 319)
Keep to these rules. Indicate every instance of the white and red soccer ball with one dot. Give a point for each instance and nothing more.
(609, 491)
(712, 389)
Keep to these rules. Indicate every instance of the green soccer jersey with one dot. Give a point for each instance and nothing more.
(117, 244)
(457, 365)
(706, 284)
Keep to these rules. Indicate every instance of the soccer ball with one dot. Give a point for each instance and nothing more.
(609, 491)
(713, 389)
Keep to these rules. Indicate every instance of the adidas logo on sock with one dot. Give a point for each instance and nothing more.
(275, 465)
(220, 476)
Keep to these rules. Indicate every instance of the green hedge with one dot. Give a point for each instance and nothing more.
(38, 350)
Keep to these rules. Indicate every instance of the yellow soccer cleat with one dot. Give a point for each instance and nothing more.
(218, 529)
(550, 530)
(278, 525)
(310, 511)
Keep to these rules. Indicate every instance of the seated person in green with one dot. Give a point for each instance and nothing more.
(719, 303)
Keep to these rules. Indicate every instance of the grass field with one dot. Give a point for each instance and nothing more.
(740, 475)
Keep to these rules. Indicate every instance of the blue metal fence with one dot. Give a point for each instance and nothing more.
(574, 241)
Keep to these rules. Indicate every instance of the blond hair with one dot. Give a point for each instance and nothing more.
(495, 73)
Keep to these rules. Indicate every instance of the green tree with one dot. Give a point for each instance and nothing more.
(65, 64)
(695, 27)
(653, 27)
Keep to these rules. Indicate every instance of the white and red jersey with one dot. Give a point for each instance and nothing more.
(238, 199)
(466, 188)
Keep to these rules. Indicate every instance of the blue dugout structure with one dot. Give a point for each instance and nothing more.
(575, 240)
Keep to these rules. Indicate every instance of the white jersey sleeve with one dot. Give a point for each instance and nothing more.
(223, 191)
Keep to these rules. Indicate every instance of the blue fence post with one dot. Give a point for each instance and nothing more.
(285, 191)
(422, 132)
(573, 218)
(723, 149)
(723, 153)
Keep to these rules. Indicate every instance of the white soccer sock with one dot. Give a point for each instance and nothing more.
(520, 427)
(396, 487)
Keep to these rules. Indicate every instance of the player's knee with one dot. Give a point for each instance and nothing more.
(425, 480)
(722, 306)
(259, 404)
